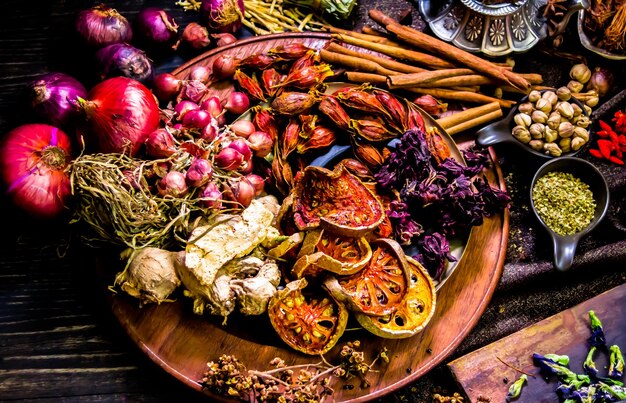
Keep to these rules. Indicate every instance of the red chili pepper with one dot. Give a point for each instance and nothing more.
(605, 126)
(595, 153)
(605, 146)
(615, 160)
(620, 121)
(602, 133)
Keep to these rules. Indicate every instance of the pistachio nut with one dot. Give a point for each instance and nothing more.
(526, 108)
(554, 120)
(539, 117)
(564, 93)
(575, 86)
(565, 144)
(577, 142)
(550, 96)
(552, 149)
(537, 130)
(534, 96)
(580, 72)
(583, 121)
(522, 119)
(550, 135)
(566, 129)
(581, 133)
(565, 109)
(536, 144)
(544, 105)
(577, 109)
(587, 109)
(521, 133)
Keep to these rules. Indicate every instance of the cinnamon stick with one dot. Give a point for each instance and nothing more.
(417, 79)
(361, 78)
(468, 114)
(468, 124)
(366, 37)
(356, 63)
(461, 96)
(372, 31)
(434, 45)
(386, 63)
(421, 58)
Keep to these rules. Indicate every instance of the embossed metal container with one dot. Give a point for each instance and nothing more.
(493, 27)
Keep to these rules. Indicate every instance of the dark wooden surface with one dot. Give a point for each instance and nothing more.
(58, 338)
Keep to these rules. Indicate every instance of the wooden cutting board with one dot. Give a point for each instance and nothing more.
(481, 373)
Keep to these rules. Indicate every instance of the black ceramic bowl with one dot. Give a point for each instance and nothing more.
(565, 245)
(500, 132)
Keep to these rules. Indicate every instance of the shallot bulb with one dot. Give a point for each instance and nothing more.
(223, 15)
(224, 39)
(166, 86)
(210, 131)
(195, 36)
(33, 162)
(237, 103)
(261, 143)
(601, 81)
(53, 97)
(121, 59)
(243, 128)
(242, 146)
(181, 109)
(243, 191)
(155, 26)
(211, 197)
(229, 159)
(199, 172)
(257, 182)
(197, 119)
(101, 26)
(160, 144)
(214, 107)
(173, 184)
(224, 66)
(200, 73)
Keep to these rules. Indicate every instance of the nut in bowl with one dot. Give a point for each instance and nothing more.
(570, 197)
(545, 123)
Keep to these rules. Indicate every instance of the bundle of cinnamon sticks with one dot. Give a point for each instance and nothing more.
(407, 59)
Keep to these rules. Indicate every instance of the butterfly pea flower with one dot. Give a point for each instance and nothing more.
(616, 362)
(559, 359)
(515, 389)
(597, 338)
(589, 365)
(552, 368)
(610, 393)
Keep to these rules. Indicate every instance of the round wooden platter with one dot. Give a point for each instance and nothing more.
(182, 342)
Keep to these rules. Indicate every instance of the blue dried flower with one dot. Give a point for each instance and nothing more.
(616, 362)
(515, 390)
(597, 339)
(551, 368)
(589, 365)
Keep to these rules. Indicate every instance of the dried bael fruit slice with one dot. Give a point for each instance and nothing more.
(379, 288)
(335, 200)
(413, 314)
(311, 325)
(335, 253)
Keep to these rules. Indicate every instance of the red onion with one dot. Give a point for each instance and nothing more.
(242, 146)
(121, 59)
(237, 102)
(195, 36)
(100, 26)
(223, 15)
(261, 143)
(33, 159)
(200, 73)
(181, 108)
(200, 172)
(53, 97)
(243, 191)
(121, 113)
(601, 81)
(166, 86)
(211, 197)
(160, 144)
(172, 184)
(210, 131)
(155, 26)
(229, 159)
(224, 66)
(197, 119)
(243, 128)
(224, 39)
(257, 182)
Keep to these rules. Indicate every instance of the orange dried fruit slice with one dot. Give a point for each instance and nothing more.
(335, 200)
(334, 253)
(379, 288)
(413, 314)
(309, 324)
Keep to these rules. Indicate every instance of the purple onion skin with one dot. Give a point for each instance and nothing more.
(52, 97)
(101, 26)
(222, 16)
(155, 26)
(120, 59)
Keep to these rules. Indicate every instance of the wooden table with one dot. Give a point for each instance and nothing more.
(58, 339)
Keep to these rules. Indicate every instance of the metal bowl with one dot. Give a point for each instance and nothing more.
(586, 42)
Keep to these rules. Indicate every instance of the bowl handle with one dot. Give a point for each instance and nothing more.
(564, 251)
(495, 133)
(572, 7)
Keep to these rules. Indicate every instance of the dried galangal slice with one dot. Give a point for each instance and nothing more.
(379, 288)
(335, 253)
(336, 201)
(414, 312)
(309, 324)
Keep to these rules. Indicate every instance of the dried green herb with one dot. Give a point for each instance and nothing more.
(564, 203)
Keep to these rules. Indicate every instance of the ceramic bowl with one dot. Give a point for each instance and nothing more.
(565, 245)
(586, 41)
